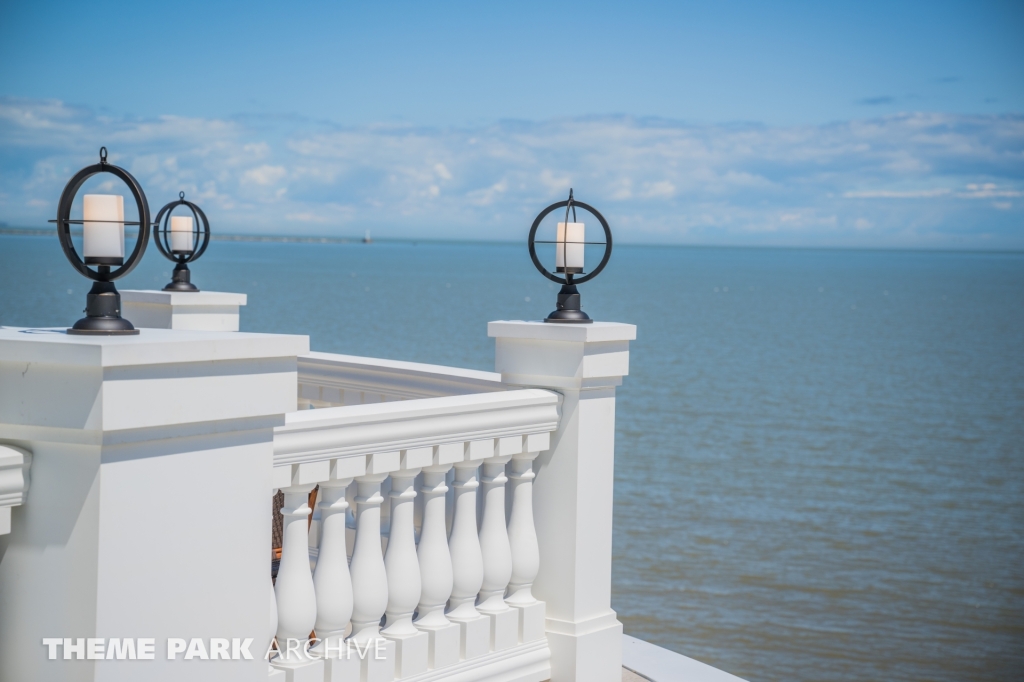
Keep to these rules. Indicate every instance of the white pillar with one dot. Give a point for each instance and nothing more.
(197, 310)
(404, 581)
(467, 564)
(333, 583)
(573, 487)
(525, 552)
(497, 557)
(436, 571)
(296, 596)
(152, 458)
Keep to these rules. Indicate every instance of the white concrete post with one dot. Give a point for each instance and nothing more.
(573, 487)
(152, 456)
(467, 564)
(195, 310)
(436, 571)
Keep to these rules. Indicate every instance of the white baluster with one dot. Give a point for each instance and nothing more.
(525, 550)
(331, 578)
(296, 599)
(436, 570)
(497, 557)
(333, 583)
(467, 564)
(435, 560)
(404, 583)
(402, 566)
(369, 580)
(370, 583)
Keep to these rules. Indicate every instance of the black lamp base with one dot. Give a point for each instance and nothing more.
(181, 279)
(103, 326)
(103, 313)
(569, 307)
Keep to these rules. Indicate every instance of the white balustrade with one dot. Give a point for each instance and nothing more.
(410, 582)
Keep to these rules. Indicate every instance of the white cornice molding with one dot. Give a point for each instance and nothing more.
(14, 481)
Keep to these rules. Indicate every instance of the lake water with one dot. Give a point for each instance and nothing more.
(820, 454)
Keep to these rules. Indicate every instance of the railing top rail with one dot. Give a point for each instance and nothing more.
(394, 377)
(334, 432)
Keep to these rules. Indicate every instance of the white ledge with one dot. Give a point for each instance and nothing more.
(54, 346)
(333, 432)
(661, 665)
(392, 378)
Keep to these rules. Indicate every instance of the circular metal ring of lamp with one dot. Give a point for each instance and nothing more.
(568, 310)
(181, 278)
(103, 303)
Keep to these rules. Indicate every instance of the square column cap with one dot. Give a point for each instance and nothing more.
(551, 331)
(52, 346)
(561, 356)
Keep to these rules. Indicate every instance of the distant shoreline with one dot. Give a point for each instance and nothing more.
(282, 239)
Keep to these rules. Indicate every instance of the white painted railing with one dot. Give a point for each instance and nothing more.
(440, 595)
(330, 380)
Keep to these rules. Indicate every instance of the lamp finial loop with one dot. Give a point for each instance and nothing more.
(181, 195)
(103, 154)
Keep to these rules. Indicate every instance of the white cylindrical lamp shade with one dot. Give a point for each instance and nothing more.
(182, 240)
(569, 248)
(103, 229)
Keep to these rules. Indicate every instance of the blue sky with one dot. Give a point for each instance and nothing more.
(841, 123)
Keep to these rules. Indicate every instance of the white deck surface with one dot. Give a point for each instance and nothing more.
(653, 663)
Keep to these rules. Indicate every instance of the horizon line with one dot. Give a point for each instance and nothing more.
(309, 239)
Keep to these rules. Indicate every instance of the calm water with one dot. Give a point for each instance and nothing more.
(820, 463)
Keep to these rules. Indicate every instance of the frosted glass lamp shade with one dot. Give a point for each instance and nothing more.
(182, 239)
(569, 248)
(103, 229)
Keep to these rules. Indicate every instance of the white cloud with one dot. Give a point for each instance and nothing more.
(896, 194)
(264, 175)
(898, 180)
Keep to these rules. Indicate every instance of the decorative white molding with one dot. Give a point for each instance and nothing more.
(14, 481)
(329, 379)
(310, 436)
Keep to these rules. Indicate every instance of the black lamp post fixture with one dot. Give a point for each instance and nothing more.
(569, 249)
(176, 238)
(102, 246)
